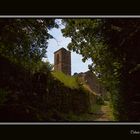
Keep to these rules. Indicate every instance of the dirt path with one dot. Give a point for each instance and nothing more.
(104, 113)
(99, 113)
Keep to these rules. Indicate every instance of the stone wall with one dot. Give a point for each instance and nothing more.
(91, 80)
(32, 95)
(64, 99)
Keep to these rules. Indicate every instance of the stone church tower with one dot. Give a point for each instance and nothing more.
(62, 61)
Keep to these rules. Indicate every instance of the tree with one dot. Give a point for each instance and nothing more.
(25, 40)
(113, 46)
(44, 67)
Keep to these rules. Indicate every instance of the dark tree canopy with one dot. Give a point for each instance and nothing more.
(113, 45)
(25, 39)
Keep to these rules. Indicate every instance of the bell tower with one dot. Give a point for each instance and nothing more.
(62, 61)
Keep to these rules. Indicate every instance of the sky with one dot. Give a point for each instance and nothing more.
(54, 44)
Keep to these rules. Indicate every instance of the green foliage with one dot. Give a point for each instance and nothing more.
(88, 40)
(43, 67)
(107, 96)
(113, 45)
(99, 100)
(67, 80)
(34, 91)
(25, 40)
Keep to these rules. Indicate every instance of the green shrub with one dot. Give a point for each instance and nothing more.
(99, 100)
(107, 96)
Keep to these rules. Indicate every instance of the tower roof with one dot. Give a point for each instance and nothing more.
(61, 49)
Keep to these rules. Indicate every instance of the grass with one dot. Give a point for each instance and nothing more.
(96, 108)
(83, 117)
(67, 80)
(98, 113)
